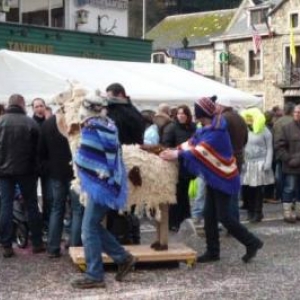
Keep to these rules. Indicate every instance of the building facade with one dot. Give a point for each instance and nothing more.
(252, 52)
(83, 28)
(258, 42)
(184, 40)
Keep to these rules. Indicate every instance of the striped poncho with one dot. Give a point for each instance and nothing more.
(99, 163)
(209, 154)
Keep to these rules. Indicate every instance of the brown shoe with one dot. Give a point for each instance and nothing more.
(87, 283)
(125, 267)
(38, 249)
(271, 201)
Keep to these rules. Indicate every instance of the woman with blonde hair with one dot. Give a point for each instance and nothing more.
(257, 169)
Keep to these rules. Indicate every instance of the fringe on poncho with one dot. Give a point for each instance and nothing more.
(209, 154)
(99, 163)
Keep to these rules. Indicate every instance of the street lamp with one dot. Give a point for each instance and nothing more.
(144, 18)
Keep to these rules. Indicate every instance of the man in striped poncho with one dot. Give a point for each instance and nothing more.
(103, 182)
(209, 154)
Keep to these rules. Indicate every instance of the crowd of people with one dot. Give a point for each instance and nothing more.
(224, 157)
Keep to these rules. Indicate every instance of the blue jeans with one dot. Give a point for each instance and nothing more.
(197, 209)
(279, 180)
(76, 222)
(60, 192)
(97, 239)
(28, 190)
(291, 188)
(46, 199)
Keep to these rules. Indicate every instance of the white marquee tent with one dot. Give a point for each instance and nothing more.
(40, 75)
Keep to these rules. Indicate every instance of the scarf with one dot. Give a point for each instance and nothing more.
(100, 167)
(209, 154)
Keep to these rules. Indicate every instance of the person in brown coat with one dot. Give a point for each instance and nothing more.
(238, 132)
(287, 149)
(287, 118)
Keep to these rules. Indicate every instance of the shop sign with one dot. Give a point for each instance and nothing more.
(33, 48)
(224, 57)
(115, 4)
(91, 55)
(182, 54)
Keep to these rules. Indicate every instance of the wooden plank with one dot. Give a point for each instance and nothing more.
(176, 252)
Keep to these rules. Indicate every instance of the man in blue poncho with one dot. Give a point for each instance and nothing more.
(209, 154)
(103, 183)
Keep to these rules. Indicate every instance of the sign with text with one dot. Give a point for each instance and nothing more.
(114, 4)
(182, 54)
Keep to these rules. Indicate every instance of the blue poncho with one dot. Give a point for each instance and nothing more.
(99, 163)
(209, 154)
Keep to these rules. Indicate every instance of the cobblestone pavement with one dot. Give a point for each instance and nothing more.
(274, 274)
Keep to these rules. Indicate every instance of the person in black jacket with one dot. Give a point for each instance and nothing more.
(39, 115)
(56, 158)
(128, 119)
(131, 127)
(176, 133)
(19, 137)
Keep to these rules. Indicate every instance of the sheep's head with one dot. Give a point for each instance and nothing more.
(76, 105)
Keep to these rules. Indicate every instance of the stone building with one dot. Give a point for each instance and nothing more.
(267, 71)
(227, 53)
(184, 40)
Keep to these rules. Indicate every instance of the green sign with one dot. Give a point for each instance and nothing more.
(45, 40)
(224, 57)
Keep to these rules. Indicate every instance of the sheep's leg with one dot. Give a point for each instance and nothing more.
(164, 227)
(156, 244)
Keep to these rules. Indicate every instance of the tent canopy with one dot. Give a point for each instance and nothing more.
(40, 75)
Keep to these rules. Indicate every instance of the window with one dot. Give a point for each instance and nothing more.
(254, 64)
(294, 19)
(259, 16)
(57, 14)
(35, 12)
(13, 14)
(43, 12)
(158, 58)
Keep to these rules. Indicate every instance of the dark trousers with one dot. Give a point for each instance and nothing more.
(254, 199)
(181, 210)
(217, 209)
(47, 199)
(28, 189)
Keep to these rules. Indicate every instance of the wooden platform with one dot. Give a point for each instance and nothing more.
(176, 252)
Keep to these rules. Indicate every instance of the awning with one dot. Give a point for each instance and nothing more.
(292, 93)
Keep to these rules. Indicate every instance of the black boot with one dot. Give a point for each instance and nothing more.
(251, 251)
(207, 257)
(250, 215)
(257, 217)
(258, 206)
(135, 231)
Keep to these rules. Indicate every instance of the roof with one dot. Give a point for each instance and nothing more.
(198, 28)
(239, 26)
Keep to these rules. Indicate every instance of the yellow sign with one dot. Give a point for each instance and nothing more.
(91, 55)
(33, 48)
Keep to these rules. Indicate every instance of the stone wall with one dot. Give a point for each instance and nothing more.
(204, 62)
(273, 58)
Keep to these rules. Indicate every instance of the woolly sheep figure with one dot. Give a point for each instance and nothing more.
(158, 177)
